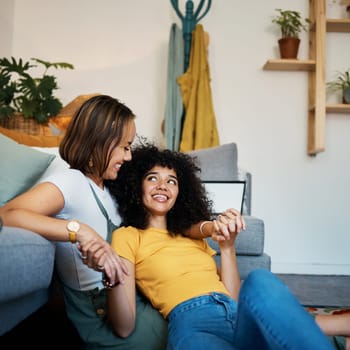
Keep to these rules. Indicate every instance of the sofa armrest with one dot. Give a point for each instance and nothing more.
(26, 262)
(250, 241)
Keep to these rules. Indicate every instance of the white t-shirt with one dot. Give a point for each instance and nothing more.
(80, 204)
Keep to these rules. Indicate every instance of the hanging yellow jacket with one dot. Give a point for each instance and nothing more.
(199, 126)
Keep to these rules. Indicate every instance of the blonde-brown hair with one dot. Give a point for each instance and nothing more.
(97, 126)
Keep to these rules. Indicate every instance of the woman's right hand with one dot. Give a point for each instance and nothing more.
(98, 254)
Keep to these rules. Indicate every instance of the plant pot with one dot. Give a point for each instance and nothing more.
(27, 125)
(346, 96)
(289, 47)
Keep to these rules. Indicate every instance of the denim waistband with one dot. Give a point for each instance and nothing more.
(202, 300)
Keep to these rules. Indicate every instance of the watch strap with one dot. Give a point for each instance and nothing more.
(72, 236)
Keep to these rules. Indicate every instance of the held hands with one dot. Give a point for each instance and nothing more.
(98, 254)
(227, 225)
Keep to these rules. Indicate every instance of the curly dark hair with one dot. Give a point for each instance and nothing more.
(192, 204)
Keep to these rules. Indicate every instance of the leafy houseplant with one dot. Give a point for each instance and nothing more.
(291, 25)
(20, 92)
(341, 82)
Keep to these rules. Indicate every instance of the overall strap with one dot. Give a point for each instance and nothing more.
(110, 226)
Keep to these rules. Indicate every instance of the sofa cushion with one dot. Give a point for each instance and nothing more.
(218, 163)
(21, 167)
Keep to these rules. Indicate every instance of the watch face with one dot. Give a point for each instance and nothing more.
(73, 226)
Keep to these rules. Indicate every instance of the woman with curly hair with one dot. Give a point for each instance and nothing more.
(160, 196)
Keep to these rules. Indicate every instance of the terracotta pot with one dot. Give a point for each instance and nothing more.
(289, 47)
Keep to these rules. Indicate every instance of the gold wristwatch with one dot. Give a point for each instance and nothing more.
(73, 227)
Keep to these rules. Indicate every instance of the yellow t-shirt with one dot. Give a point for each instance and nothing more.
(168, 269)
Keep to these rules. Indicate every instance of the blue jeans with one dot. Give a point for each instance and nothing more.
(267, 316)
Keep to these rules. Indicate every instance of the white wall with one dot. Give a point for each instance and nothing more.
(120, 48)
(6, 26)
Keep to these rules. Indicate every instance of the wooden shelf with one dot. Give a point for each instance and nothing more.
(334, 108)
(290, 65)
(338, 108)
(338, 25)
(316, 68)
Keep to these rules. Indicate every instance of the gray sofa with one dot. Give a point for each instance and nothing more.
(221, 164)
(27, 259)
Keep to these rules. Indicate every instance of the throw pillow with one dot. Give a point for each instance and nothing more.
(218, 163)
(57, 165)
(21, 167)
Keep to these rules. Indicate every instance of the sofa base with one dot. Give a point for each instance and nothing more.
(24, 306)
(27, 263)
(48, 322)
(248, 263)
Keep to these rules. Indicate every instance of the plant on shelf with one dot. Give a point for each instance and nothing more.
(341, 82)
(32, 97)
(291, 25)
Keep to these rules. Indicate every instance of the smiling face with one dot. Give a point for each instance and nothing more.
(160, 190)
(120, 153)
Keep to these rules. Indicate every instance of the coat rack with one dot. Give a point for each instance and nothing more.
(189, 22)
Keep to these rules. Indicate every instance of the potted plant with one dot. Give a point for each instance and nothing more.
(341, 82)
(21, 93)
(291, 25)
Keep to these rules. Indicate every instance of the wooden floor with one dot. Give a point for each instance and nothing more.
(319, 290)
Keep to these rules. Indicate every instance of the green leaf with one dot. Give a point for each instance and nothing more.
(291, 23)
(52, 106)
(341, 81)
(46, 85)
(15, 66)
(6, 111)
(56, 65)
(33, 96)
